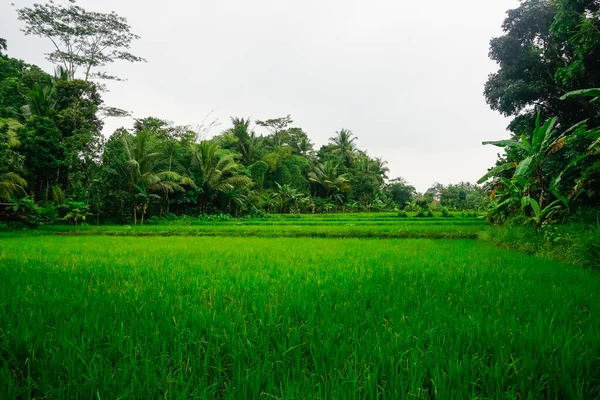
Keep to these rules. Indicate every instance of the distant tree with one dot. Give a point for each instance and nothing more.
(344, 146)
(44, 152)
(258, 171)
(327, 176)
(3, 46)
(245, 122)
(400, 191)
(277, 128)
(144, 167)
(275, 125)
(214, 173)
(40, 102)
(246, 140)
(82, 39)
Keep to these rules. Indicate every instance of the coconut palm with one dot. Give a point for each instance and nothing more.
(143, 166)
(11, 127)
(11, 184)
(214, 173)
(40, 101)
(245, 122)
(246, 139)
(343, 146)
(326, 175)
(379, 168)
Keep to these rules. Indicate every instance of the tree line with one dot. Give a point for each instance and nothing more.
(56, 165)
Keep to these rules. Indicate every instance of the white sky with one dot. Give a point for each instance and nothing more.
(405, 76)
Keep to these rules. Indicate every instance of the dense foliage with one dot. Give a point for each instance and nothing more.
(548, 56)
(55, 165)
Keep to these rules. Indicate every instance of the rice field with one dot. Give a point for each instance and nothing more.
(104, 317)
(375, 225)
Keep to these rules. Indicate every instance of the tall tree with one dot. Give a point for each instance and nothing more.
(327, 176)
(44, 152)
(549, 48)
(146, 173)
(400, 191)
(344, 146)
(277, 128)
(82, 39)
(214, 173)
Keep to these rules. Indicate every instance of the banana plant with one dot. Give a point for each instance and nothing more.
(544, 142)
(506, 197)
(593, 150)
(142, 199)
(541, 215)
(592, 92)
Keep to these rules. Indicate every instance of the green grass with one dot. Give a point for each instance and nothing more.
(292, 230)
(223, 317)
(379, 225)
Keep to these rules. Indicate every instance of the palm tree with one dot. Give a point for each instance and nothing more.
(326, 175)
(40, 101)
(343, 146)
(143, 166)
(61, 74)
(237, 199)
(380, 169)
(212, 173)
(12, 127)
(246, 140)
(144, 198)
(11, 184)
(245, 122)
(305, 146)
(289, 197)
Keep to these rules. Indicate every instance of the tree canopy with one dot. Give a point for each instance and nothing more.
(549, 59)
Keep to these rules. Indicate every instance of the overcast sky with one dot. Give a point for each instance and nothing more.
(405, 76)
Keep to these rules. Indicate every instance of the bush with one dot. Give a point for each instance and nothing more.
(424, 213)
(257, 213)
(446, 213)
(576, 244)
(48, 215)
(402, 214)
(212, 218)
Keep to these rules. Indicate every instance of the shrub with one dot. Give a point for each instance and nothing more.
(424, 212)
(48, 214)
(402, 214)
(257, 213)
(446, 213)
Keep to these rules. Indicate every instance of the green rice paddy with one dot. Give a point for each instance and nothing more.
(86, 314)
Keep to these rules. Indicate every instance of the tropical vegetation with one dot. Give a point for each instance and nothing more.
(164, 261)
